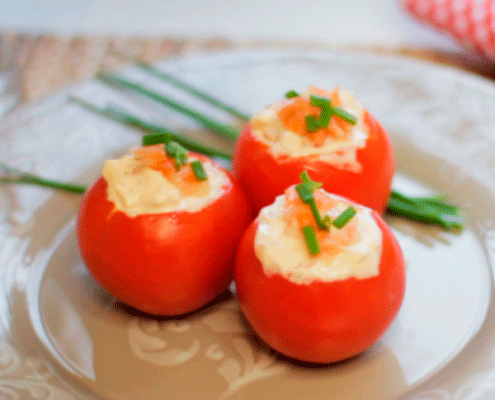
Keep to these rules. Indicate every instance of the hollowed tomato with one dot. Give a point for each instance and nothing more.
(164, 264)
(264, 175)
(321, 321)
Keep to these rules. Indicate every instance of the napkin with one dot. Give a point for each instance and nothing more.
(470, 22)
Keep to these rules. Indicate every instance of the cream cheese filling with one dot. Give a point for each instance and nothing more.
(137, 190)
(281, 248)
(342, 153)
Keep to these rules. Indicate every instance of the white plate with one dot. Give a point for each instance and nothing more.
(63, 337)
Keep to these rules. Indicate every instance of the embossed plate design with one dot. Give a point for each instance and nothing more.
(63, 337)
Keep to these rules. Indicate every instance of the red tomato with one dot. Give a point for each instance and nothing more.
(164, 264)
(320, 322)
(264, 176)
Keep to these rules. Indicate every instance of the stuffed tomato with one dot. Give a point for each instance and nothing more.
(326, 133)
(319, 295)
(159, 230)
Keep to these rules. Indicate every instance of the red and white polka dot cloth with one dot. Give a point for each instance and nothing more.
(471, 22)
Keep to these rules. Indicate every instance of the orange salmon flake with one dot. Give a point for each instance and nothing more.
(294, 111)
(155, 157)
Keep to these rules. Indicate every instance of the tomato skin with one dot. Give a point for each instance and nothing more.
(264, 176)
(320, 322)
(163, 264)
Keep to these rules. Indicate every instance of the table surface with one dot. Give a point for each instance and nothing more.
(350, 22)
(54, 43)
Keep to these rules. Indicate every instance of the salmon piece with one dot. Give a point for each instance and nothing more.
(155, 157)
(331, 242)
(292, 116)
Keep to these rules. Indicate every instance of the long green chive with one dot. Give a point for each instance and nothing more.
(425, 209)
(346, 116)
(311, 239)
(156, 138)
(114, 80)
(199, 171)
(181, 84)
(154, 134)
(19, 177)
(291, 93)
(310, 183)
(344, 217)
(188, 88)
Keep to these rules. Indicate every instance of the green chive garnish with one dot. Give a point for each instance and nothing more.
(321, 222)
(312, 123)
(310, 183)
(304, 192)
(306, 195)
(327, 110)
(199, 171)
(291, 93)
(346, 116)
(311, 240)
(344, 217)
(178, 152)
(321, 102)
(325, 115)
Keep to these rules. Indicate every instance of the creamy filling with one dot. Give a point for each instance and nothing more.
(281, 248)
(341, 153)
(137, 190)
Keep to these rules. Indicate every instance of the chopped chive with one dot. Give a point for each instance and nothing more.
(325, 115)
(310, 183)
(344, 217)
(316, 213)
(180, 160)
(321, 102)
(199, 171)
(311, 239)
(178, 152)
(312, 123)
(291, 93)
(304, 193)
(346, 116)
(326, 109)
